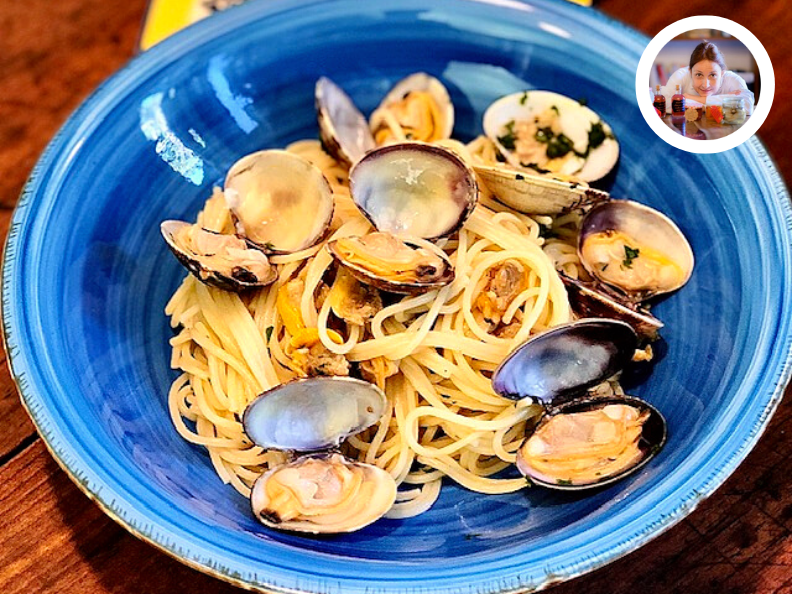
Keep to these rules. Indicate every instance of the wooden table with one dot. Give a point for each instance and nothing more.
(53, 539)
(704, 128)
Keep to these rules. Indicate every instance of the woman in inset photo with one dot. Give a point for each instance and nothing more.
(707, 76)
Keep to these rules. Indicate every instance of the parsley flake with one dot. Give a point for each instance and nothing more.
(524, 98)
(508, 139)
(630, 254)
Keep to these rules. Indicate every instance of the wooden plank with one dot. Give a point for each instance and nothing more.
(54, 539)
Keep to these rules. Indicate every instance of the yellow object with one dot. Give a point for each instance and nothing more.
(165, 17)
(289, 311)
(307, 337)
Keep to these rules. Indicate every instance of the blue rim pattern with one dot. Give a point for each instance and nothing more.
(177, 536)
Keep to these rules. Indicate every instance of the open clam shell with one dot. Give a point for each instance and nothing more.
(325, 494)
(421, 107)
(225, 262)
(551, 131)
(343, 129)
(280, 202)
(383, 267)
(580, 442)
(536, 194)
(313, 413)
(413, 189)
(635, 249)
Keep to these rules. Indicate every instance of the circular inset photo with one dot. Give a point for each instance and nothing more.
(705, 89)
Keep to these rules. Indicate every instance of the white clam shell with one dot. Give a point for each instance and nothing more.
(280, 202)
(342, 127)
(575, 121)
(414, 189)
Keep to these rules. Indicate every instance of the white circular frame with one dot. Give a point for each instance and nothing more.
(761, 110)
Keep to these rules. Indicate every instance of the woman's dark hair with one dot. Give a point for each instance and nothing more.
(706, 50)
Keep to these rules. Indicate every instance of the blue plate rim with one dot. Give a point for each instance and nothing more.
(178, 545)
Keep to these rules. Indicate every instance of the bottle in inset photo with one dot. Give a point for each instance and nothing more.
(659, 101)
(678, 103)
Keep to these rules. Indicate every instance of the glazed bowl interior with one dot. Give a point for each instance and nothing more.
(87, 276)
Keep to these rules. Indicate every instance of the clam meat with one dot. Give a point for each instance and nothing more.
(634, 249)
(327, 494)
(414, 189)
(279, 201)
(545, 131)
(221, 260)
(392, 264)
(580, 448)
(416, 108)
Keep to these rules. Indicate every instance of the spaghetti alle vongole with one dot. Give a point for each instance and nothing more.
(430, 348)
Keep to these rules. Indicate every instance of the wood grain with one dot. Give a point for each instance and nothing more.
(53, 539)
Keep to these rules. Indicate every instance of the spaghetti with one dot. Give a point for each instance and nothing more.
(432, 354)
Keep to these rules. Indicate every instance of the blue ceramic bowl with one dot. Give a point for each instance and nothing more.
(86, 277)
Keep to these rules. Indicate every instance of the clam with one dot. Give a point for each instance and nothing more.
(588, 300)
(342, 128)
(535, 194)
(547, 131)
(418, 107)
(635, 249)
(313, 413)
(322, 495)
(220, 260)
(580, 442)
(390, 264)
(279, 201)
(320, 492)
(414, 189)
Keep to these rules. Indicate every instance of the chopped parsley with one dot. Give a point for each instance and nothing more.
(524, 98)
(564, 481)
(583, 101)
(597, 135)
(555, 109)
(268, 332)
(604, 268)
(269, 246)
(508, 139)
(559, 146)
(543, 135)
(630, 254)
